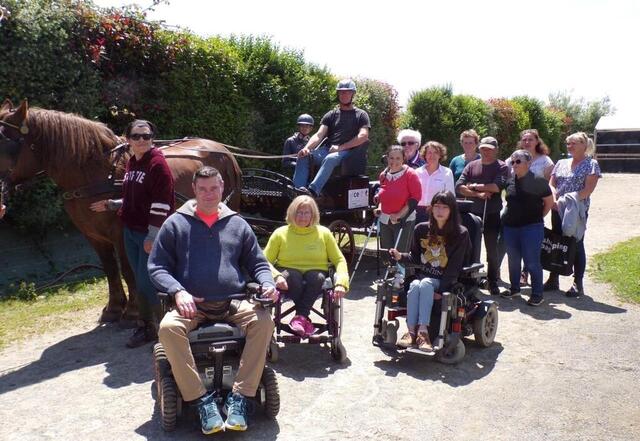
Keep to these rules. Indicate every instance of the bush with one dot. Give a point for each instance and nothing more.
(380, 101)
(508, 120)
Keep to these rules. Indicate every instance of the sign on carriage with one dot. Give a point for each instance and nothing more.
(358, 198)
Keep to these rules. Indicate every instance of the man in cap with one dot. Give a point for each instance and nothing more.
(482, 181)
(345, 128)
(297, 141)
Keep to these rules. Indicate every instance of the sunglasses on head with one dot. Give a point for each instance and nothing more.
(406, 143)
(137, 136)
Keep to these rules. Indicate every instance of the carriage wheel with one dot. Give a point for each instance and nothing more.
(344, 236)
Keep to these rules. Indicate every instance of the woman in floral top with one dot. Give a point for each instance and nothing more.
(578, 174)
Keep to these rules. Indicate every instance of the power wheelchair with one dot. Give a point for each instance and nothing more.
(216, 347)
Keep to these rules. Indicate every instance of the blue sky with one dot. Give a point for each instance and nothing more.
(487, 48)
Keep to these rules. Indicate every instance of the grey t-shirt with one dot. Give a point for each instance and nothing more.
(344, 125)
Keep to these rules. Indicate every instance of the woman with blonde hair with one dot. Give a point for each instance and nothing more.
(572, 182)
(300, 254)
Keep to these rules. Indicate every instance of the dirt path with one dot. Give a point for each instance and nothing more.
(566, 370)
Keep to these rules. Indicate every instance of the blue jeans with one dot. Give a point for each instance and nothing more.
(420, 301)
(327, 161)
(147, 297)
(525, 243)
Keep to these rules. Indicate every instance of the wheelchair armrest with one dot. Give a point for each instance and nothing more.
(467, 270)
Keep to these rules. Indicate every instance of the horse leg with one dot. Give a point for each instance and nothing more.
(130, 314)
(117, 300)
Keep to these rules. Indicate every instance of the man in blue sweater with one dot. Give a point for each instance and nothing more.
(200, 257)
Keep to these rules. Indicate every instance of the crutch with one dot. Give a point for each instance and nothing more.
(364, 247)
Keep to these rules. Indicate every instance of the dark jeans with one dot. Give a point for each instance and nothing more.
(304, 289)
(147, 296)
(389, 234)
(491, 230)
(524, 243)
(580, 262)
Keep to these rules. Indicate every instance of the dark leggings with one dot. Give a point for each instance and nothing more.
(304, 289)
(580, 262)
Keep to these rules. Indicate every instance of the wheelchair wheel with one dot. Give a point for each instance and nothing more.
(168, 404)
(160, 364)
(453, 355)
(338, 351)
(391, 332)
(269, 392)
(485, 328)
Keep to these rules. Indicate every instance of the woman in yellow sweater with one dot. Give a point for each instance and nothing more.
(302, 251)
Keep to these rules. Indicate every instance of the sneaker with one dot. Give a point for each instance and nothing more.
(142, 335)
(423, 342)
(551, 285)
(574, 291)
(297, 325)
(210, 419)
(535, 300)
(493, 289)
(408, 340)
(510, 294)
(236, 410)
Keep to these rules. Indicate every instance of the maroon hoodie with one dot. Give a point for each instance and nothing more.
(147, 193)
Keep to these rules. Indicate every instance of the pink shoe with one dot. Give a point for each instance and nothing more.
(309, 329)
(297, 325)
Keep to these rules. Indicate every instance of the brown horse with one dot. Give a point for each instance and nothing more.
(78, 155)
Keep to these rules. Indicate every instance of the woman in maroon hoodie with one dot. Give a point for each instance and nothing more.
(147, 200)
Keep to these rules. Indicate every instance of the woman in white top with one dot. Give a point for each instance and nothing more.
(434, 177)
(541, 164)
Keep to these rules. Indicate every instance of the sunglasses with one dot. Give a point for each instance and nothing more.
(518, 161)
(138, 136)
(404, 144)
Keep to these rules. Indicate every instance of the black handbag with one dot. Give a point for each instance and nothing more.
(558, 253)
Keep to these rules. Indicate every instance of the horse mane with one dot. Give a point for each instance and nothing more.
(65, 138)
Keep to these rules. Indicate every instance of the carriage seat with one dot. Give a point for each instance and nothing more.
(355, 164)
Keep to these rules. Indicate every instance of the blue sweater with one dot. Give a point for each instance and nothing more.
(212, 263)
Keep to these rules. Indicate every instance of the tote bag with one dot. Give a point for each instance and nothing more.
(558, 253)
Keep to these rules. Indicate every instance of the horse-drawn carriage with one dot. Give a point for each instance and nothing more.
(346, 204)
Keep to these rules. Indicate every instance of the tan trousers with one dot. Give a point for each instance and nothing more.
(251, 318)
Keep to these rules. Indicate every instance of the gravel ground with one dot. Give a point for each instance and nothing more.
(566, 370)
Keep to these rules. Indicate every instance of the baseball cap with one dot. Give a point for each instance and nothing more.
(488, 142)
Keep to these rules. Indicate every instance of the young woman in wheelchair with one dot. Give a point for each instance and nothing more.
(439, 249)
(300, 254)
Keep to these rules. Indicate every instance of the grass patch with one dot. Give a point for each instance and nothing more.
(51, 309)
(620, 267)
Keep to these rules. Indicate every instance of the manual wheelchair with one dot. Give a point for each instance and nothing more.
(328, 324)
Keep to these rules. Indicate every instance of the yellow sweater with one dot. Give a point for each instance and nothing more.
(304, 249)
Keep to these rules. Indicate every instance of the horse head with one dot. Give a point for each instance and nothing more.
(18, 161)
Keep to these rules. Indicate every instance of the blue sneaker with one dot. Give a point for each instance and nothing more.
(236, 410)
(210, 418)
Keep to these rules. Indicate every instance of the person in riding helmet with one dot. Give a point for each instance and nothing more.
(297, 141)
(344, 129)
